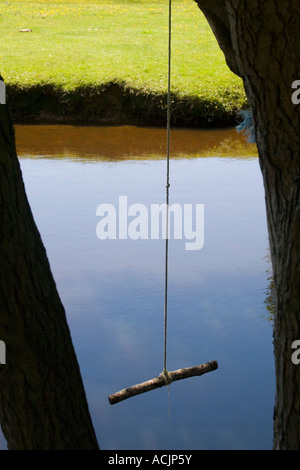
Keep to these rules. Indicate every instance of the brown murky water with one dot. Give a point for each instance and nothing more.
(120, 143)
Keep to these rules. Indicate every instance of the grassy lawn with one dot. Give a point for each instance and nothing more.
(89, 43)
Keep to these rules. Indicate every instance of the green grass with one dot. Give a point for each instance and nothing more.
(89, 43)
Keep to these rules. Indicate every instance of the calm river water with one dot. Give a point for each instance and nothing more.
(113, 290)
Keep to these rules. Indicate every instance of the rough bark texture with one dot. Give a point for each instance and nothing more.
(42, 399)
(265, 44)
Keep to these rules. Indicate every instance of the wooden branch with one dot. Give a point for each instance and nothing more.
(161, 380)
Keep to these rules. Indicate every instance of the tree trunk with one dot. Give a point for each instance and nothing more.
(266, 47)
(42, 398)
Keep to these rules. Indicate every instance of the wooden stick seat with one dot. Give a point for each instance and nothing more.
(165, 378)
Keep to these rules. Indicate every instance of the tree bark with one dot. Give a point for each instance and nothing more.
(214, 11)
(266, 47)
(43, 404)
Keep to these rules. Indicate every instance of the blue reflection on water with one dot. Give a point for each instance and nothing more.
(113, 294)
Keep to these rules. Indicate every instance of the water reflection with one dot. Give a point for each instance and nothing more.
(128, 142)
(113, 290)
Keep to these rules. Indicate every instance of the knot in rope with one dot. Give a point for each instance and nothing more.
(166, 377)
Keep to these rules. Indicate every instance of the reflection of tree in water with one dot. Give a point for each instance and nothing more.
(270, 292)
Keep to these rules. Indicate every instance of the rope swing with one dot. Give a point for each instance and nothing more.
(165, 377)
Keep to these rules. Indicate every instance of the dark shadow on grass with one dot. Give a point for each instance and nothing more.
(112, 103)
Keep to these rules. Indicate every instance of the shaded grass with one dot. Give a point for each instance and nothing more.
(112, 103)
(79, 48)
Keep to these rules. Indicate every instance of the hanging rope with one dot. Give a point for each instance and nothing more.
(165, 377)
(165, 372)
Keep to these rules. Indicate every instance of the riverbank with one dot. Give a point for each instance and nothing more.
(68, 61)
(114, 103)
